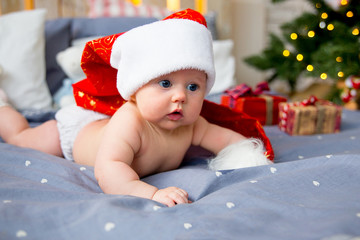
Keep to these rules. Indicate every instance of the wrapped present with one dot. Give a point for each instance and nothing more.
(311, 116)
(257, 104)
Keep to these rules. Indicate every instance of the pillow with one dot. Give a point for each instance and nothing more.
(81, 42)
(58, 37)
(121, 8)
(224, 65)
(104, 26)
(22, 51)
(69, 60)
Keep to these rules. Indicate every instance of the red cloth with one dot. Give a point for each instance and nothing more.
(98, 91)
(237, 121)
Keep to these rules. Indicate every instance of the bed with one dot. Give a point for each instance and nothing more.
(311, 192)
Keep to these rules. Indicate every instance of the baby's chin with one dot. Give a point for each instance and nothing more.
(171, 125)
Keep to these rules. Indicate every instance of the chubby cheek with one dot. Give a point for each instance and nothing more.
(151, 109)
(195, 110)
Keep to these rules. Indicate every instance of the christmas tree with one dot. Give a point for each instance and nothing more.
(323, 43)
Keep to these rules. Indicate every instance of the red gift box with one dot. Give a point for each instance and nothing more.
(311, 116)
(263, 107)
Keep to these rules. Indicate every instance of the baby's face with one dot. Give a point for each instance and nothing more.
(173, 100)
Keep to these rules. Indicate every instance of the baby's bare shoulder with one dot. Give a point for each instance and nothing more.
(127, 116)
(125, 126)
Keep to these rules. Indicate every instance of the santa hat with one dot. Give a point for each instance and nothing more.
(180, 41)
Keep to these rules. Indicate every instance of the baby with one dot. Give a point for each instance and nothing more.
(153, 130)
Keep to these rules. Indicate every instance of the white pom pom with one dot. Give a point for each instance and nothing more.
(246, 153)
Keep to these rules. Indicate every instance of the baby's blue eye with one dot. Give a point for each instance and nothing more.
(165, 83)
(192, 87)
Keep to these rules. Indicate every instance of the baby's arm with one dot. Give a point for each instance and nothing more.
(113, 163)
(233, 150)
(213, 137)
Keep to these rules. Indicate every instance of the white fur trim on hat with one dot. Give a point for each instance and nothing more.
(150, 51)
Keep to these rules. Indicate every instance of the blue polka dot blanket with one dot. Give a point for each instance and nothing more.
(311, 192)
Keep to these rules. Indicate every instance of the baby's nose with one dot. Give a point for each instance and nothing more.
(179, 95)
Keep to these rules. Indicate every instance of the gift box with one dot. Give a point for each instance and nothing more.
(256, 103)
(311, 116)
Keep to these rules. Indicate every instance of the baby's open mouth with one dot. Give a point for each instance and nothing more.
(175, 115)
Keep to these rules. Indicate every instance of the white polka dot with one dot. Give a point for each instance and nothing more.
(109, 226)
(273, 170)
(7, 201)
(316, 183)
(82, 168)
(358, 214)
(328, 156)
(21, 233)
(301, 157)
(44, 180)
(187, 225)
(230, 204)
(253, 181)
(319, 137)
(218, 174)
(352, 137)
(27, 163)
(155, 208)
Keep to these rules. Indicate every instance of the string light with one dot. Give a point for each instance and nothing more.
(318, 5)
(286, 53)
(349, 14)
(330, 27)
(355, 31)
(339, 59)
(323, 76)
(293, 36)
(344, 2)
(310, 68)
(311, 34)
(299, 57)
(324, 15)
(340, 74)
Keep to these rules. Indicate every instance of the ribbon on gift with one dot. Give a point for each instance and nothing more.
(243, 90)
(310, 101)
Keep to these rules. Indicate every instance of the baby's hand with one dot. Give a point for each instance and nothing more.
(171, 196)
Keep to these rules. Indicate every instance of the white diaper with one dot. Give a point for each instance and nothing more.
(70, 120)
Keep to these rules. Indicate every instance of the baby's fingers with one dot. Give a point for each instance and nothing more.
(168, 201)
(179, 196)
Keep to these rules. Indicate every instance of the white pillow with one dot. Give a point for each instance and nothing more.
(224, 65)
(22, 59)
(70, 59)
